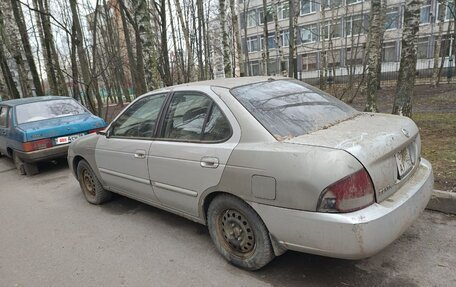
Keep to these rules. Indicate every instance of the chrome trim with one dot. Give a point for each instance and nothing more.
(175, 189)
(126, 176)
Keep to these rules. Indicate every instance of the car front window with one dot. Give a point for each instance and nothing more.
(139, 119)
(289, 108)
(44, 110)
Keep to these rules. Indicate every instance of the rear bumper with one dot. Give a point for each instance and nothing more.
(352, 235)
(44, 154)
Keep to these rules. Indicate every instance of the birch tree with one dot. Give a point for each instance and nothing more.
(373, 48)
(225, 45)
(407, 70)
(19, 17)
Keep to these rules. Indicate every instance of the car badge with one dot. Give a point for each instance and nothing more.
(405, 132)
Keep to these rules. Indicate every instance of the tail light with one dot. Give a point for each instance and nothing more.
(351, 193)
(37, 145)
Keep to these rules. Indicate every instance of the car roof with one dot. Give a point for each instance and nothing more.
(227, 83)
(16, 102)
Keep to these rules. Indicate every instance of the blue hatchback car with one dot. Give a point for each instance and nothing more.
(41, 128)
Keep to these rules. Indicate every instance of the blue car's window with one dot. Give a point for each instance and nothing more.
(289, 108)
(38, 111)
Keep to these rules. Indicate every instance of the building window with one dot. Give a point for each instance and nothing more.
(254, 68)
(349, 2)
(331, 30)
(308, 6)
(252, 44)
(251, 19)
(326, 4)
(271, 41)
(272, 68)
(354, 56)
(389, 52)
(309, 62)
(354, 25)
(446, 12)
(285, 38)
(332, 58)
(425, 12)
(268, 15)
(283, 11)
(392, 18)
(309, 33)
(422, 48)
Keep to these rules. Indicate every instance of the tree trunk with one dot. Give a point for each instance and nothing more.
(265, 39)
(6, 72)
(407, 70)
(18, 16)
(188, 43)
(373, 46)
(237, 38)
(291, 39)
(437, 47)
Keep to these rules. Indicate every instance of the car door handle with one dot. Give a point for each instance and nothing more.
(140, 154)
(209, 162)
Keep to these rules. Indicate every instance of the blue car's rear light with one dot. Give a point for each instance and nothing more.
(37, 145)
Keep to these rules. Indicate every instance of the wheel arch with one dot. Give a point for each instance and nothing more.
(209, 197)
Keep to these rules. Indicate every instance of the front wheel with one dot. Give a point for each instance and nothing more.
(90, 185)
(238, 233)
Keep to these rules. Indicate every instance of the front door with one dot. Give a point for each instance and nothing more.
(3, 128)
(121, 156)
(192, 149)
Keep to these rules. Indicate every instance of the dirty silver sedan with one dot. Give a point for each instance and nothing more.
(267, 164)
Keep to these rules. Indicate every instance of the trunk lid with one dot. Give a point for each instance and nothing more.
(388, 146)
(61, 126)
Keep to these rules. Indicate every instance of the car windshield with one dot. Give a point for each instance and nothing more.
(289, 108)
(38, 111)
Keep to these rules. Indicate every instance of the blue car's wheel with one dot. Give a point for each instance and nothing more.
(24, 168)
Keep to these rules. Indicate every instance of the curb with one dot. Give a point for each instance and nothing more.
(443, 201)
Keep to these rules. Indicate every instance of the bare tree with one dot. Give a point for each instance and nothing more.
(373, 48)
(407, 70)
(226, 47)
(19, 17)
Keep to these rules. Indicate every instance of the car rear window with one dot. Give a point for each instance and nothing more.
(38, 111)
(289, 108)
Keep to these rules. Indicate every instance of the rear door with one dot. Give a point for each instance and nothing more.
(121, 156)
(3, 128)
(197, 137)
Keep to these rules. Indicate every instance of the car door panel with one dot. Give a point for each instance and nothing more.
(3, 129)
(121, 156)
(181, 171)
(121, 169)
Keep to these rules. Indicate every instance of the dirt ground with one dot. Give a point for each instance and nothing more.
(434, 111)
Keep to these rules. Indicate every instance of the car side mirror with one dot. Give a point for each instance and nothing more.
(103, 133)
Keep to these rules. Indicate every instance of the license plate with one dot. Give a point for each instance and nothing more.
(404, 162)
(67, 139)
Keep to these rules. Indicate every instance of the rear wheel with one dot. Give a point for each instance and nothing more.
(239, 233)
(90, 185)
(24, 168)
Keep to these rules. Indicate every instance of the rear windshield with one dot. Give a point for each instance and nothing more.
(47, 109)
(289, 108)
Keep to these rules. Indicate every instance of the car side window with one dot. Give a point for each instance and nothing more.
(217, 126)
(3, 117)
(140, 119)
(186, 116)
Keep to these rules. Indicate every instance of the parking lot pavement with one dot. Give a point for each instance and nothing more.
(50, 236)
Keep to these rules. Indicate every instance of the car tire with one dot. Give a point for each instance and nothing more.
(24, 168)
(238, 233)
(90, 185)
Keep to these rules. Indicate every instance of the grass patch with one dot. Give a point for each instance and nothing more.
(438, 137)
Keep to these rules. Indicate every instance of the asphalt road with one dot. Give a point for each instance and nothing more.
(50, 236)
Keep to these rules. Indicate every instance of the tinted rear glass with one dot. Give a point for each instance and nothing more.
(289, 108)
(47, 109)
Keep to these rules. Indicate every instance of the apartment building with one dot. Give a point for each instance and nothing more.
(333, 34)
